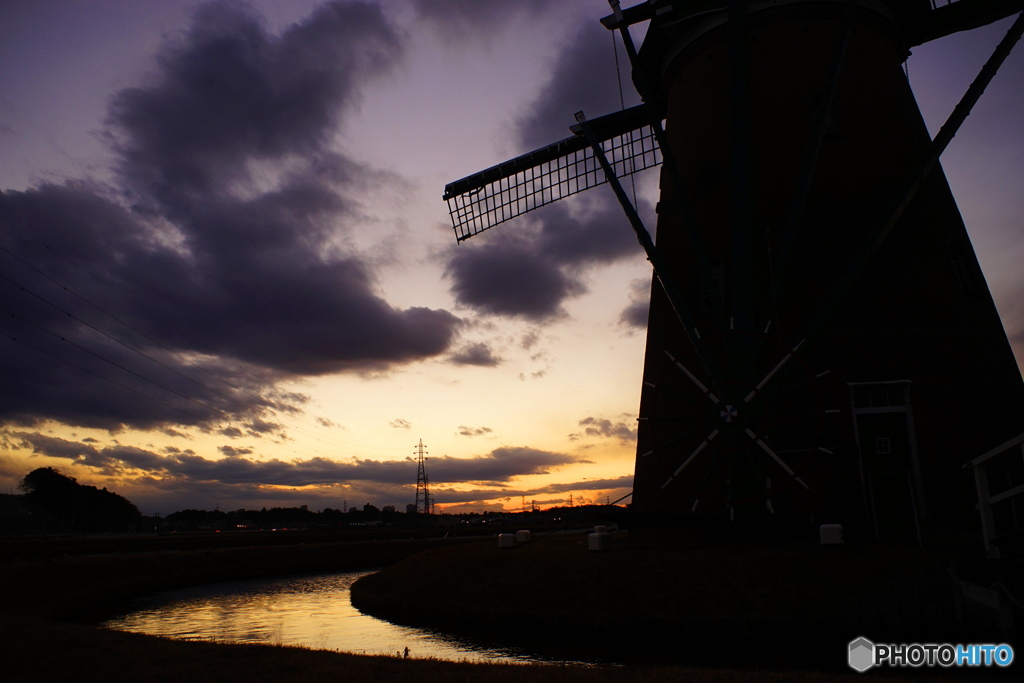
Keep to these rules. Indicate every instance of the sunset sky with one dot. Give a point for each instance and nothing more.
(227, 276)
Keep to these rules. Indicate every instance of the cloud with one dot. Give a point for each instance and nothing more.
(479, 497)
(635, 315)
(584, 79)
(625, 481)
(500, 465)
(228, 94)
(176, 479)
(529, 340)
(605, 428)
(473, 431)
(539, 374)
(505, 276)
(528, 268)
(230, 451)
(259, 427)
(475, 354)
(401, 424)
(223, 243)
(462, 20)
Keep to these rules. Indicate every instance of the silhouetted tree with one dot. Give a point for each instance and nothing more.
(79, 506)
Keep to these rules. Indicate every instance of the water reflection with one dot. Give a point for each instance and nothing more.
(312, 611)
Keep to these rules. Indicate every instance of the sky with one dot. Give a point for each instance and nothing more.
(228, 279)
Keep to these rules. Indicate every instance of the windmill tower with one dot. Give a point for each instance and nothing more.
(821, 342)
(424, 503)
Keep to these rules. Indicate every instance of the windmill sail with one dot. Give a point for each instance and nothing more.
(545, 175)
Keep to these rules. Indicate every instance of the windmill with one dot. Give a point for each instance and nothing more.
(813, 280)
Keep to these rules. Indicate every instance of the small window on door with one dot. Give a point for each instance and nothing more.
(882, 445)
(708, 290)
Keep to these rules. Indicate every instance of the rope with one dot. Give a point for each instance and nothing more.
(618, 71)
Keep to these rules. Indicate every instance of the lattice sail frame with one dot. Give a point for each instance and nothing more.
(502, 192)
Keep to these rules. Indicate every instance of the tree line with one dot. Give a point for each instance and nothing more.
(78, 507)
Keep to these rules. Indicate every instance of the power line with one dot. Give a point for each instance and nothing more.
(112, 338)
(129, 326)
(261, 402)
(223, 414)
(101, 357)
(106, 379)
(198, 418)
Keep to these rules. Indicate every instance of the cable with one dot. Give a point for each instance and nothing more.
(106, 379)
(102, 357)
(110, 337)
(261, 402)
(222, 413)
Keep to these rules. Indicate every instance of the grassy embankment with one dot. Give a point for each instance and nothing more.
(45, 639)
(676, 601)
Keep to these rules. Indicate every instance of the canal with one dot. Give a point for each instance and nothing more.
(309, 611)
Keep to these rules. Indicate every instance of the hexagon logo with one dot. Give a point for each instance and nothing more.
(862, 654)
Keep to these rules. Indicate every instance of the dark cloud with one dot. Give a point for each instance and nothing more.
(475, 354)
(635, 315)
(177, 479)
(605, 428)
(259, 427)
(625, 481)
(228, 94)
(231, 451)
(1017, 338)
(218, 246)
(501, 275)
(529, 267)
(584, 80)
(463, 20)
(479, 497)
(500, 465)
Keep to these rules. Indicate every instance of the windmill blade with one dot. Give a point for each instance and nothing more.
(876, 238)
(545, 175)
(924, 24)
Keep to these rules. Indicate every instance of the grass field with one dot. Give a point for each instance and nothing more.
(672, 602)
(46, 635)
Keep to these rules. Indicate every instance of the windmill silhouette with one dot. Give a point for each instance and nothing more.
(821, 342)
